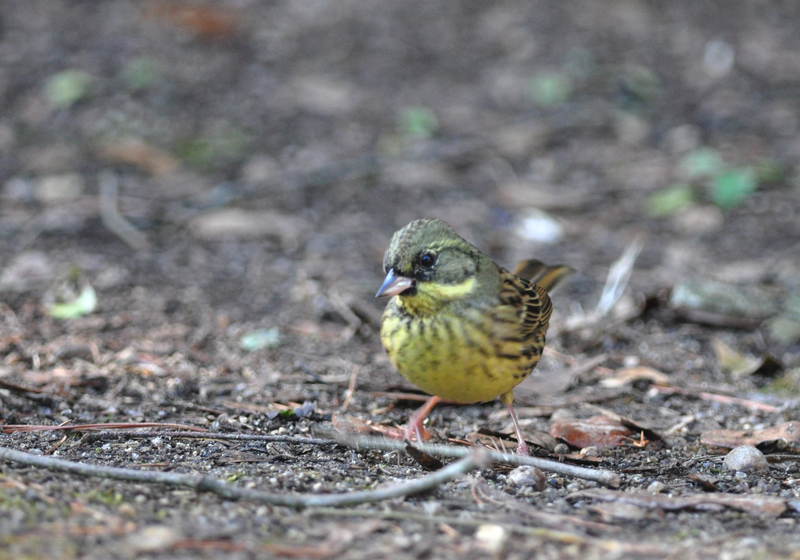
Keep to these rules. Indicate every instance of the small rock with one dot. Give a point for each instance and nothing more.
(794, 505)
(526, 476)
(153, 539)
(561, 449)
(746, 459)
(590, 451)
(656, 487)
(491, 538)
(59, 188)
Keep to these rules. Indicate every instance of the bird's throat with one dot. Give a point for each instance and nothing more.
(432, 297)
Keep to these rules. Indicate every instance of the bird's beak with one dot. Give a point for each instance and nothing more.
(394, 285)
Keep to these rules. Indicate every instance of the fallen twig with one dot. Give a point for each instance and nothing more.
(385, 444)
(11, 428)
(476, 459)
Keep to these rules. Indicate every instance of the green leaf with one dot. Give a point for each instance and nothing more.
(734, 186)
(260, 339)
(85, 304)
(702, 162)
(418, 122)
(670, 200)
(67, 88)
(549, 89)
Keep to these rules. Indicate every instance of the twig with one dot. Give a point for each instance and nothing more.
(385, 444)
(234, 437)
(111, 216)
(351, 388)
(684, 421)
(475, 460)
(11, 428)
(618, 276)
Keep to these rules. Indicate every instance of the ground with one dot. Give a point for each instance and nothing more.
(263, 154)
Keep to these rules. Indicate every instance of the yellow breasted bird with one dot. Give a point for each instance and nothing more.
(459, 326)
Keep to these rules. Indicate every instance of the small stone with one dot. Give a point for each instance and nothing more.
(794, 505)
(561, 449)
(153, 539)
(590, 451)
(656, 487)
(746, 459)
(526, 477)
(491, 538)
(59, 188)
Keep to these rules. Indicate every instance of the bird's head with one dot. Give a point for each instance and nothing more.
(429, 263)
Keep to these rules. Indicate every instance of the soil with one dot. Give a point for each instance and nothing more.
(266, 151)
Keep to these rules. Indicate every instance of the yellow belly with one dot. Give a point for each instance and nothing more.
(466, 359)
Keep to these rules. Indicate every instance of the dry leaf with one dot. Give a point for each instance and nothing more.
(629, 375)
(788, 432)
(599, 431)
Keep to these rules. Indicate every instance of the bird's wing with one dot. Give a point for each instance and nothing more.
(531, 301)
(542, 274)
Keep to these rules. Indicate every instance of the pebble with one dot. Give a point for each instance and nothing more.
(59, 188)
(746, 459)
(590, 451)
(656, 487)
(561, 449)
(491, 538)
(526, 476)
(153, 539)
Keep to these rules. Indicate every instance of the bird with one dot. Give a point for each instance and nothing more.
(459, 326)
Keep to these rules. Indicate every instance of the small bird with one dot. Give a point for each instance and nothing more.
(459, 326)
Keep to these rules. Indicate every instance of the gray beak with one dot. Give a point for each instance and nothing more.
(394, 285)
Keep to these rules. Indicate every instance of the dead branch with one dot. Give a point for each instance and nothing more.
(474, 460)
(607, 478)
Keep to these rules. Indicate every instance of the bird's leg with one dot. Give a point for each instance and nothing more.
(508, 399)
(414, 427)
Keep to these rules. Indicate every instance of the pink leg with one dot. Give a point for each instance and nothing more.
(508, 399)
(414, 427)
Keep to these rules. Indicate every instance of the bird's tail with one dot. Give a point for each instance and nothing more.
(541, 274)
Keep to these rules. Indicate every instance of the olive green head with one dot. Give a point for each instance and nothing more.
(429, 252)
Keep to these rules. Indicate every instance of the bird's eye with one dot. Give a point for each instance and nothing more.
(427, 260)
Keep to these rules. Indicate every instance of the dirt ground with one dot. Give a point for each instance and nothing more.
(264, 152)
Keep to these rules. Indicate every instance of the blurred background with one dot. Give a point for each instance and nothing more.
(237, 165)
